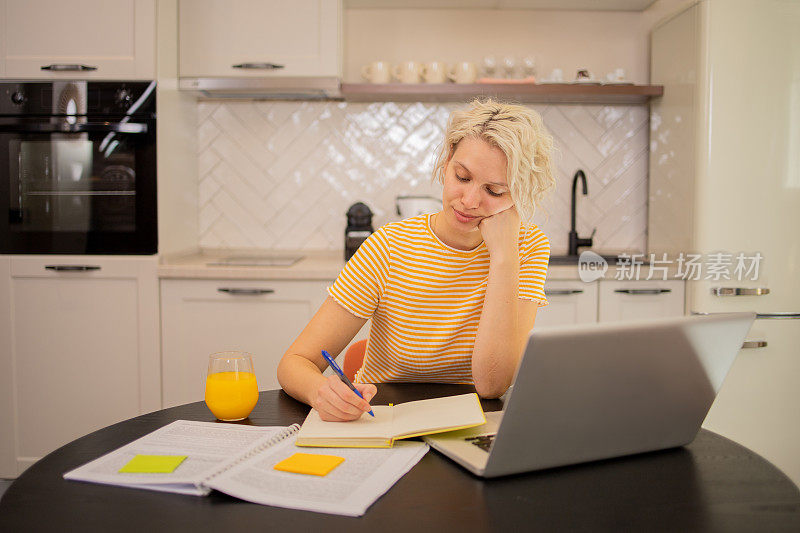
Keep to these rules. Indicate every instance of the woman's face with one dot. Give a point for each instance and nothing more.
(475, 185)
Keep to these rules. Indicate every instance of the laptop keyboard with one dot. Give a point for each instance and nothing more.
(484, 442)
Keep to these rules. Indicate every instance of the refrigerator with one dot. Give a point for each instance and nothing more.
(725, 187)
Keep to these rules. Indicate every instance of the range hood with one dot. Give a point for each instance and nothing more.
(275, 88)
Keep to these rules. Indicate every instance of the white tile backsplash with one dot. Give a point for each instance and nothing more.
(281, 175)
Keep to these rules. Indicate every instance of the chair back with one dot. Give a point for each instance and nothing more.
(354, 358)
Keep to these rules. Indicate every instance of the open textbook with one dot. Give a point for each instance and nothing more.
(392, 422)
(240, 461)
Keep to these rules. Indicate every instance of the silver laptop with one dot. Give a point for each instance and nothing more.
(597, 391)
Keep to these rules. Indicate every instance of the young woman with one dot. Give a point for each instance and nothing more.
(452, 296)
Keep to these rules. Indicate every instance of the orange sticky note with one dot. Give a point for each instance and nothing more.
(310, 463)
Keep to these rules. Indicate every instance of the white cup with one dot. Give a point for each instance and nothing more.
(616, 76)
(556, 75)
(463, 72)
(434, 72)
(407, 72)
(377, 72)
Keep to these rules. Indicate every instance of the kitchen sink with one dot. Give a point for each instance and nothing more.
(257, 260)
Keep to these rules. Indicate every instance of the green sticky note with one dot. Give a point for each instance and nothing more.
(152, 464)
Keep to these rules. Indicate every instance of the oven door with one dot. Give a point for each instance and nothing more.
(77, 185)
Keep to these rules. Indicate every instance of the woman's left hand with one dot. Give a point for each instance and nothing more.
(500, 232)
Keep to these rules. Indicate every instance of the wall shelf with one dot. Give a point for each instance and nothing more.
(557, 93)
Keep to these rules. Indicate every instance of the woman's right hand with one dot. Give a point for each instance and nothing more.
(335, 402)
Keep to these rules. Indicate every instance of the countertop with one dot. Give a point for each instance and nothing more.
(314, 265)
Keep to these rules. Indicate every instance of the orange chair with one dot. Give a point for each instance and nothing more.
(354, 358)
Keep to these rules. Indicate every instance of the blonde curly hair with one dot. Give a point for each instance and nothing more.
(519, 132)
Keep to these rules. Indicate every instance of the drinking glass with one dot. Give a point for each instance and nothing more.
(231, 389)
(509, 66)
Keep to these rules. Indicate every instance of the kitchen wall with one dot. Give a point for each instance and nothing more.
(597, 40)
(281, 175)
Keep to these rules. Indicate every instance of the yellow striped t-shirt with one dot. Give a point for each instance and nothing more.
(425, 299)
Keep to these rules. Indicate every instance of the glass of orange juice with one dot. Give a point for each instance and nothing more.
(231, 390)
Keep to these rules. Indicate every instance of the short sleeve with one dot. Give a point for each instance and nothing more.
(534, 257)
(362, 281)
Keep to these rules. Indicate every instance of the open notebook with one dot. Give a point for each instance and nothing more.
(241, 461)
(392, 422)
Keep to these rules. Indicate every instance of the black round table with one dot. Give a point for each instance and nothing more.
(713, 484)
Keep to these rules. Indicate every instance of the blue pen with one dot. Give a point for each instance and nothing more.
(341, 375)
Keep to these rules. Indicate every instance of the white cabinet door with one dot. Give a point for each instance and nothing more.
(201, 317)
(84, 350)
(632, 300)
(304, 36)
(116, 38)
(569, 302)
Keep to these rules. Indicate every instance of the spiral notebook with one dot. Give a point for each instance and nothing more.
(189, 457)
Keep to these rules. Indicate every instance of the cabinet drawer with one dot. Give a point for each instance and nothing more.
(201, 317)
(632, 300)
(569, 302)
(80, 266)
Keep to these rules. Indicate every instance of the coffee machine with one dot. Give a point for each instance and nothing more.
(359, 227)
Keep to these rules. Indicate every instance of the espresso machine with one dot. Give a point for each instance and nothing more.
(359, 227)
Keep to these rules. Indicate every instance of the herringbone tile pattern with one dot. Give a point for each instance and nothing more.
(281, 175)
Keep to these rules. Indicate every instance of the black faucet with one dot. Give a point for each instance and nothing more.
(574, 240)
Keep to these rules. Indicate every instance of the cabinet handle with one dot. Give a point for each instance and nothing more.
(562, 292)
(63, 67)
(754, 344)
(777, 316)
(738, 291)
(66, 127)
(642, 291)
(72, 268)
(258, 66)
(761, 316)
(248, 292)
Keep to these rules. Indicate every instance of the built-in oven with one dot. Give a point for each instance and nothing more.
(78, 167)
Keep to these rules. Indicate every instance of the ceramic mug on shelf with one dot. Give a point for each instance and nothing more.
(434, 72)
(463, 72)
(616, 76)
(377, 72)
(407, 72)
(556, 76)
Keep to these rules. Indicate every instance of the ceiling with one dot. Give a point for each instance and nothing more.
(582, 5)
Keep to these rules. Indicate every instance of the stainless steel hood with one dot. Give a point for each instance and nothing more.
(266, 88)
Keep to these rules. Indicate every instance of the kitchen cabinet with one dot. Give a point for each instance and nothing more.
(201, 317)
(83, 39)
(633, 300)
(576, 302)
(260, 38)
(80, 349)
(569, 302)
